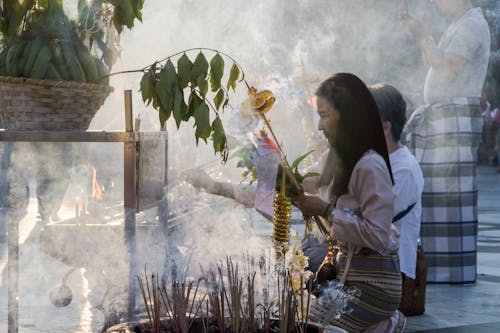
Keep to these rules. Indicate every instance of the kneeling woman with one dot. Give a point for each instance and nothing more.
(361, 207)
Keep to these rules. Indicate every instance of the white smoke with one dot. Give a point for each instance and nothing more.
(286, 46)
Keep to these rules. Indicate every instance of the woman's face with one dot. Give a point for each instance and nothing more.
(329, 119)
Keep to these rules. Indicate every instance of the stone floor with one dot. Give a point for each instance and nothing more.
(471, 308)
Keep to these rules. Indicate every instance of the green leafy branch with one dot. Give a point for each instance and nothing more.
(290, 189)
(190, 89)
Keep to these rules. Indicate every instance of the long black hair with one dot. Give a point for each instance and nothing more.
(360, 128)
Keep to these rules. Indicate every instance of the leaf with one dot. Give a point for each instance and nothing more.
(200, 69)
(193, 103)
(202, 122)
(169, 77)
(117, 22)
(219, 98)
(148, 82)
(311, 174)
(123, 15)
(179, 107)
(234, 74)
(219, 138)
(184, 67)
(299, 159)
(226, 101)
(184, 108)
(216, 72)
(164, 115)
(137, 5)
(203, 86)
(166, 88)
(164, 98)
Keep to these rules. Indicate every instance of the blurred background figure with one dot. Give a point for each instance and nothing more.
(444, 136)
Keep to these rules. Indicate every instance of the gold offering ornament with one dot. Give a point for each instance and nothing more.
(281, 221)
(258, 101)
(261, 102)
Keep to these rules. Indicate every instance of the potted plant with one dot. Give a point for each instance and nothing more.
(46, 56)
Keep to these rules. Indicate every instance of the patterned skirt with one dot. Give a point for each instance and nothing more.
(379, 282)
(445, 138)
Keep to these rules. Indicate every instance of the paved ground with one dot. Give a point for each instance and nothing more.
(449, 309)
(474, 308)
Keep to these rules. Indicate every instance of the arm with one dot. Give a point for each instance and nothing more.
(445, 62)
(449, 62)
(239, 193)
(371, 188)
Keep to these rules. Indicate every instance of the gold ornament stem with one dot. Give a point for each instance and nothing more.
(286, 166)
(283, 185)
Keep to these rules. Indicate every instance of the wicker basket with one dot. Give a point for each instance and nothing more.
(30, 104)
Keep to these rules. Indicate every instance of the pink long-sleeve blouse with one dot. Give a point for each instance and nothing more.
(363, 216)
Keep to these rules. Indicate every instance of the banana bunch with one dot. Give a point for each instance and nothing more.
(50, 49)
(51, 59)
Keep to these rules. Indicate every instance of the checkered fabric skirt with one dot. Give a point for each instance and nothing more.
(445, 138)
(377, 279)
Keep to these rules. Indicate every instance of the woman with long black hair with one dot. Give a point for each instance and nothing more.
(362, 205)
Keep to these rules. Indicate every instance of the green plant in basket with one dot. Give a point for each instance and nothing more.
(40, 41)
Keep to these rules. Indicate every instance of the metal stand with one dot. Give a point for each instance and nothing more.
(130, 140)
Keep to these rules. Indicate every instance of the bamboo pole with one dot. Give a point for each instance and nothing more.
(130, 203)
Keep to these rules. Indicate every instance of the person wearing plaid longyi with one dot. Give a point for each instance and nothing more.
(444, 136)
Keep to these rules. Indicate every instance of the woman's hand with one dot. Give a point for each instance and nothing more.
(310, 205)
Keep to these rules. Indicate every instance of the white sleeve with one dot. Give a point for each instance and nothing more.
(407, 188)
(465, 41)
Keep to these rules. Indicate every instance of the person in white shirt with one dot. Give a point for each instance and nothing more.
(408, 179)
